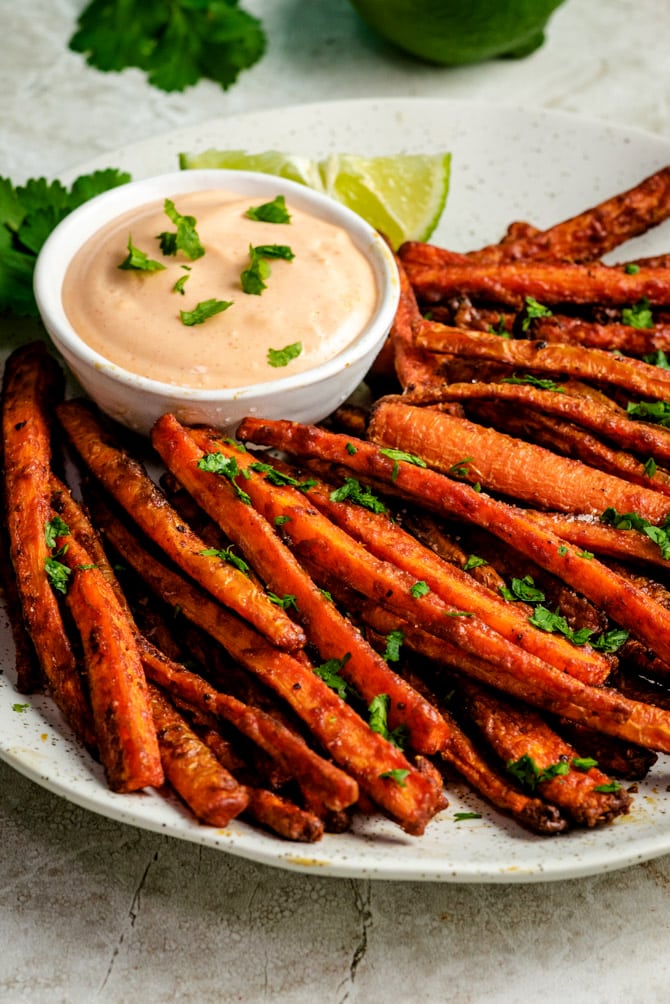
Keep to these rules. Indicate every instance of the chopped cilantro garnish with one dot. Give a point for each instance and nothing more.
(474, 561)
(282, 357)
(461, 469)
(227, 467)
(270, 212)
(279, 478)
(420, 588)
(522, 589)
(280, 520)
(394, 640)
(631, 268)
(285, 602)
(179, 284)
(227, 555)
(58, 574)
(408, 458)
(203, 311)
(541, 382)
(632, 521)
(532, 310)
(139, 261)
(608, 789)
(353, 491)
(351, 449)
(185, 238)
(330, 672)
(56, 527)
(650, 467)
(252, 278)
(462, 816)
(658, 358)
(378, 711)
(555, 623)
(398, 774)
(584, 763)
(529, 775)
(650, 411)
(639, 315)
(20, 707)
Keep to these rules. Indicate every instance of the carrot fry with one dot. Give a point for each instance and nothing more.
(620, 600)
(585, 364)
(387, 541)
(126, 480)
(525, 471)
(541, 686)
(32, 382)
(521, 737)
(212, 794)
(592, 233)
(623, 760)
(639, 437)
(549, 283)
(590, 535)
(332, 634)
(613, 336)
(368, 757)
(414, 367)
(126, 737)
(572, 441)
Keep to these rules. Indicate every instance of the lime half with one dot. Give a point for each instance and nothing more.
(401, 195)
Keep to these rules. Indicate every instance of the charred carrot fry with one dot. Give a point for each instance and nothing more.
(620, 600)
(613, 336)
(623, 760)
(387, 541)
(596, 365)
(549, 283)
(333, 635)
(210, 791)
(541, 686)
(612, 423)
(572, 441)
(32, 383)
(551, 766)
(367, 756)
(126, 737)
(592, 233)
(414, 367)
(532, 473)
(127, 481)
(591, 535)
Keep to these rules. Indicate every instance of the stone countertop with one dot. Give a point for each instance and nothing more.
(93, 910)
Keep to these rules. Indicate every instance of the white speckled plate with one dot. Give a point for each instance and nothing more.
(508, 164)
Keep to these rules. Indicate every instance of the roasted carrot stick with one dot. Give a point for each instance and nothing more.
(332, 634)
(414, 367)
(613, 336)
(370, 759)
(127, 481)
(32, 383)
(625, 604)
(639, 437)
(596, 365)
(592, 535)
(210, 791)
(548, 283)
(125, 733)
(525, 471)
(542, 686)
(386, 540)
(551, 766)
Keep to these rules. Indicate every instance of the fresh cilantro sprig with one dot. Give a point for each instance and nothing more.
(529, 775)
(282, 357)
(353, 491)
(270, 212)
(533, 309)
(331, 674)
(139, 261)
(176, 44)
(639, 315)
(632, 521)
(185, 238)
(378, 712)
(227, 467)
(203, 311)
(657, 412)
(28, 214)
(252, 278)
(542, 383)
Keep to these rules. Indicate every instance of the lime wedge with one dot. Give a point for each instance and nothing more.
(401, 195)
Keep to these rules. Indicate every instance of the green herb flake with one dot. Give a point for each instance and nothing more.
(281, 520)
(227, 467)
(286, 601)
(527, 773)
(584, 763)
(282, 357)
(203, 311)
(179, 284)
(631, 268)
(353, 491)
(185, 239)
(139, 261)
(632, 521)
(523, 589)
(58, 574)
(474, 561)
(378, 721)
(460, 817)
(542, 383)
(56, 527)
(351, 449)
(226, 554)
(330, 672)
(657, 412)
(20, 708)
(398, 774)
(533, 309)
(608, 789)
(658, 358)
(397, 455)
(252, 278)
(270, 212)
(394, 640)
(460, 469)
(420, 588)
(650, 467)
(639, 315)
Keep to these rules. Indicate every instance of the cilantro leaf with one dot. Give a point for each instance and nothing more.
(139, 261)
(226, 554)
(282, 357)
(532, 310)
(227, 467)
(28, 214)
(394, 640)
(529, 775)
(270, 212)
(58, 574)
(522, 589)
(203, 311)
(185, 238)
(650, 411)
(353, 491)
(252, 278)
(398, 774)
(176, 44)
(639, 315)
(543, 383)
(330, 673)
(378, 711)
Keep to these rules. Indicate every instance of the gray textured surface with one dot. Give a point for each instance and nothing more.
(91, 910)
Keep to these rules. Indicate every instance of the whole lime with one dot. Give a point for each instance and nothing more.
(460, 31)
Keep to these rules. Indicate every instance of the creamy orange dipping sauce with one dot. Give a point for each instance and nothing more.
(319, 300)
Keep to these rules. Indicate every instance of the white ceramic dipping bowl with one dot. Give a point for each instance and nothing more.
(137, 401)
